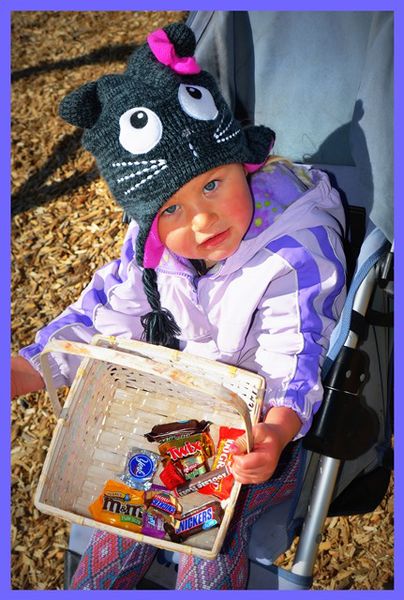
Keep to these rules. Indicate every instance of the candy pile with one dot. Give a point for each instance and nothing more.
(141, 504)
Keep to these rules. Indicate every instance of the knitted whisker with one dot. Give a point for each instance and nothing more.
(194, 152)
(133, 163)
(145, 180)
(137, 173)
(228, 137)
(219, 132)
(219, 126)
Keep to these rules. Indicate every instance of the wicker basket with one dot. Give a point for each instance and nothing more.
(121, 390)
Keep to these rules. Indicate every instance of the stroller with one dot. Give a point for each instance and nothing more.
(323, 82)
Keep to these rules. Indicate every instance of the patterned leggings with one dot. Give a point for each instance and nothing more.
(111, 562)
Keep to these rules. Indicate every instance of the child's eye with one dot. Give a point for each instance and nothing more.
(170, 210)
(212, 185)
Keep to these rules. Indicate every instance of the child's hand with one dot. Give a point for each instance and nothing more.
(24, 378)
(258, 465)
(270, 438)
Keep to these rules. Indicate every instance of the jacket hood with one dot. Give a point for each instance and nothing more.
(318, 205)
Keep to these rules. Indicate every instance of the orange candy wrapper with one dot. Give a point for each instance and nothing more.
(119, 505)
(221, 489)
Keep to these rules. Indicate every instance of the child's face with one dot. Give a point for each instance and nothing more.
(208, 217)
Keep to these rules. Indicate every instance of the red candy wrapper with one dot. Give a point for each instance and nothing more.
(171, 477)
(222, 488)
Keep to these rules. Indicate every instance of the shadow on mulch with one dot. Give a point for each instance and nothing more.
(102, 55)
(35, 192)
(389, 585)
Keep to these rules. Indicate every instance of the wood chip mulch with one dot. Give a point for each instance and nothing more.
(66, 225)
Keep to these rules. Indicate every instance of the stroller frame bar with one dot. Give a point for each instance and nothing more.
(317, 510)
(327, 472)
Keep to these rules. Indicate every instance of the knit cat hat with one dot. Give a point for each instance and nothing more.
(152, 129)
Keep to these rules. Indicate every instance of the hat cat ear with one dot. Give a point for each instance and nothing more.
(81, 107)
(171, 45)
(182, 37)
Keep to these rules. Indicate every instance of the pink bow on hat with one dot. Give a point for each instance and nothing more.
(165, 53)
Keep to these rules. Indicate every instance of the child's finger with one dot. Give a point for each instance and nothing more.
(241, 472)
(262, 453)
(257, 475)
(239, 445)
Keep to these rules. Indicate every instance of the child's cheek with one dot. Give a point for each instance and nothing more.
(176, 241)
(242, 210)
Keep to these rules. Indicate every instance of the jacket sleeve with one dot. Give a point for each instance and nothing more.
(111, 304)
(290, 333)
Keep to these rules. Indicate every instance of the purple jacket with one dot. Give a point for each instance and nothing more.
(269, 308)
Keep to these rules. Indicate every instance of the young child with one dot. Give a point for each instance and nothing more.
(229, 254)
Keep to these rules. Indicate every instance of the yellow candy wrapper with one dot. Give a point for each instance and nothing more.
(119, 505)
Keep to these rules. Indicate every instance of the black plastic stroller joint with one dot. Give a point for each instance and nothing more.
(386, 276)
(344, 427)
(385, 281)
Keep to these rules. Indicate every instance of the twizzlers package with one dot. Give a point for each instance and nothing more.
(221, 489)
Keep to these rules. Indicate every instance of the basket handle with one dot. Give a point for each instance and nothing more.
(85, 351)
(148, 365)
(50, 386)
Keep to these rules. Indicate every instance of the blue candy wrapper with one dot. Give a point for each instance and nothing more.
(140, 468)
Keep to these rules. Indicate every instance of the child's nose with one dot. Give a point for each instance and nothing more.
(202, 221)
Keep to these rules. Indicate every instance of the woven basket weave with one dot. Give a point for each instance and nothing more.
(121, 390)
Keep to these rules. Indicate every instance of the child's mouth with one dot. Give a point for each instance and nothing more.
(215, 240)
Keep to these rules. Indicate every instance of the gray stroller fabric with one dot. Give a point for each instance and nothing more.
(323, 81)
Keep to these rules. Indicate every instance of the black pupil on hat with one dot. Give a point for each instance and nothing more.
(139, 119)
(194, 92)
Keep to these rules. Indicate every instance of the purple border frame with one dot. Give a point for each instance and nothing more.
(6, 7)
